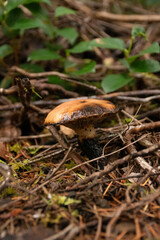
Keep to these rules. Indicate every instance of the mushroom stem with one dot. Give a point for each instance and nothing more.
(86, 132)
(92, 149)
(88, 142)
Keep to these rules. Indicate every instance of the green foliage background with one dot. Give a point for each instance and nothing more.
(17, 17)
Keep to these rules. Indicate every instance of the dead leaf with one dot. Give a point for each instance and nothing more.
(9, 131)
(4, 153)
(15, 212)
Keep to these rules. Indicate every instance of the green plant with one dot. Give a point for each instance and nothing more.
(60, 200)
(19, 17)
(134, 64)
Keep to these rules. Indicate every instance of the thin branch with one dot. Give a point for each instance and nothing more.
(6, 172)
(113, 17)
(54, 73)
(109, 168)
(127, 18)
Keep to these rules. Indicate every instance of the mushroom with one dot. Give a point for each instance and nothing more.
(82, 115)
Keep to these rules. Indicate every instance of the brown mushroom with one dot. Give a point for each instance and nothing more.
(82, 115)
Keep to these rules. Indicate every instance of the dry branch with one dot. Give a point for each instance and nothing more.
(113, 17)
(54, 73)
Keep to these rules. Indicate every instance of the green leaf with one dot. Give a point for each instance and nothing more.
(125, 63)
(60, 11)
(109, 43)
(12, 4)
(48, 2)
(38, 11)
(148, 65)
(16, 165)
(33, 68)
(64, 200)
(8, 191)
(70, 165)
(1, 161)
(49, 29)
(69, 66)
(33, 150)
(82, 47)
(27, 23)
(88, 68)
(54, 47)
(43, 55)
(113, 82)
(70, 34)
(138, 31)
(154, 48)
(6, 82)
(5, 50)
(15, 148)
(14, 16)
(56, 80)
(11, 18)
(1, 13)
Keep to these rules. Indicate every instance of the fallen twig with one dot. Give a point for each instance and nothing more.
(111, 16)
(111, 166)
(6, 171)
(61, 75)
(132, 149)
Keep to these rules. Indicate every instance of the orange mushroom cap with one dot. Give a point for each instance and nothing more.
(80, 110)
(82, 115)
